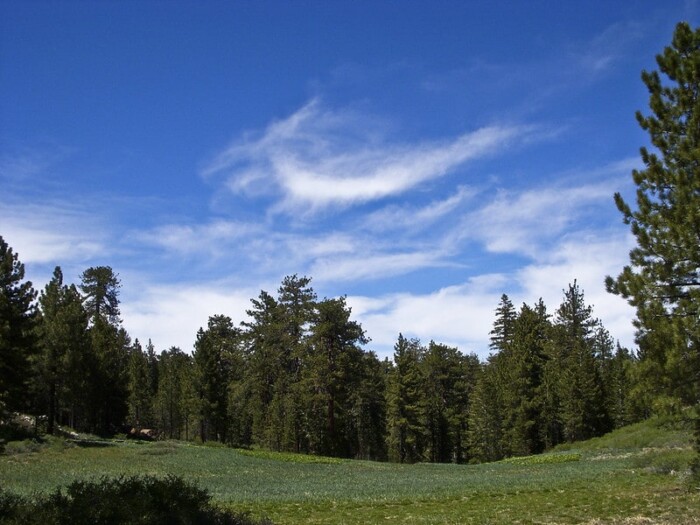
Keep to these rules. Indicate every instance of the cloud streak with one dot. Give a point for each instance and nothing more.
(318, 158)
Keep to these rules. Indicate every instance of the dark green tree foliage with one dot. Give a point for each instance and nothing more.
(332, 375)
(18, 342)
(64, 346)
(217, 358)
(663, 279)
(176, 400)
(405, 404)
(486, 440)
(524, 400)
(297, 303)
(368, 410)
(583, 408)
(447, 380)
(141, 395)
(504, 325)
(107, 406)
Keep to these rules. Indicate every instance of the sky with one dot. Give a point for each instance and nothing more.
(421, 158)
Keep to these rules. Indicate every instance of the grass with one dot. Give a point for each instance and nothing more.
(636, 475)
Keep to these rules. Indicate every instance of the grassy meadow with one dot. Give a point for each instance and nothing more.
(634, 475)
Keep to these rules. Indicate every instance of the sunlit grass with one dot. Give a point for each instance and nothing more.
(606, 480)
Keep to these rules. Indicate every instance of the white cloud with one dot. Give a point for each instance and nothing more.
(373, 266)
(456, 315)
(51, 233)
(212, 239)
(317, 158)
(416, 218)
(463, 315)
(587, 258)
(170, 315)
(522, 222)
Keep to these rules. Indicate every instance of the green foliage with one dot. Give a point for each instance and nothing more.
(18, 318)
(662, 281)
(405, 408)
(216, 357)
(124, 500)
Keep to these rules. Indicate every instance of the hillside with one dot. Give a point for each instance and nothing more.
(637, 474)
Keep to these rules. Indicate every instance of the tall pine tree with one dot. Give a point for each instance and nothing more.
(18, 342)
(663, 279)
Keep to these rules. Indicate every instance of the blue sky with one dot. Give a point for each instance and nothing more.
(420, 157)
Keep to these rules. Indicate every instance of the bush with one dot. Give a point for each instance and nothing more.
(124, 500)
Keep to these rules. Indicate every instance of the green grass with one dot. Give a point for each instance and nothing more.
(637, 473)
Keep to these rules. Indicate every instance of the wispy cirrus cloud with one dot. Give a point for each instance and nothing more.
(395, 217)
(213, 239)
(52, 231)
(318, 158)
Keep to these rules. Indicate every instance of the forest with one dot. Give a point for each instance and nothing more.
(295, 376)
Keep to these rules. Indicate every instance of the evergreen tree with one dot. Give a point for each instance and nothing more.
(503, 326)
(18, 318)
(108, 378)
(447, 382)
(139, 384)
(662, 281)
(218, 360)
(100, 286)
(332, 375)
(405, 403)
(176, 401)
(486, 439)
(524, 403)
(64, 344)
(266, 371)
(368, 409)
(297, 301)
(582, 400)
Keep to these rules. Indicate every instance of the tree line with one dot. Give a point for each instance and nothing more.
(295, 375)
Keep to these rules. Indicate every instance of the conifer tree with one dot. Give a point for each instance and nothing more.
(332, 375)
(663, 279)
(139, 383)
(64, 344)
(216, 356)
(405, 403)
(18, 343)
(524, 403)
(107, 405)
(580, 389)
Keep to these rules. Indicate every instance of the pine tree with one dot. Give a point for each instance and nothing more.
(503, 326)
(218, 359)
(663, 278)
(405, 403)
(368, 409)
(63, 343)
(139, 385)
(448, 379)
(332, 375)
(110, 344)
(580, 391)
(18, 343)
(176, 401)
(524, 404)
(486, 423)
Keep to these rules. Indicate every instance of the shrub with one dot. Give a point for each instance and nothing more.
(124, 500)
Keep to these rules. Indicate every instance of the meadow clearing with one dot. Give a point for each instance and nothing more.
(637, 474)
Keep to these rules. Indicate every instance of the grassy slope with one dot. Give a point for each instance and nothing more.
(631, 476)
